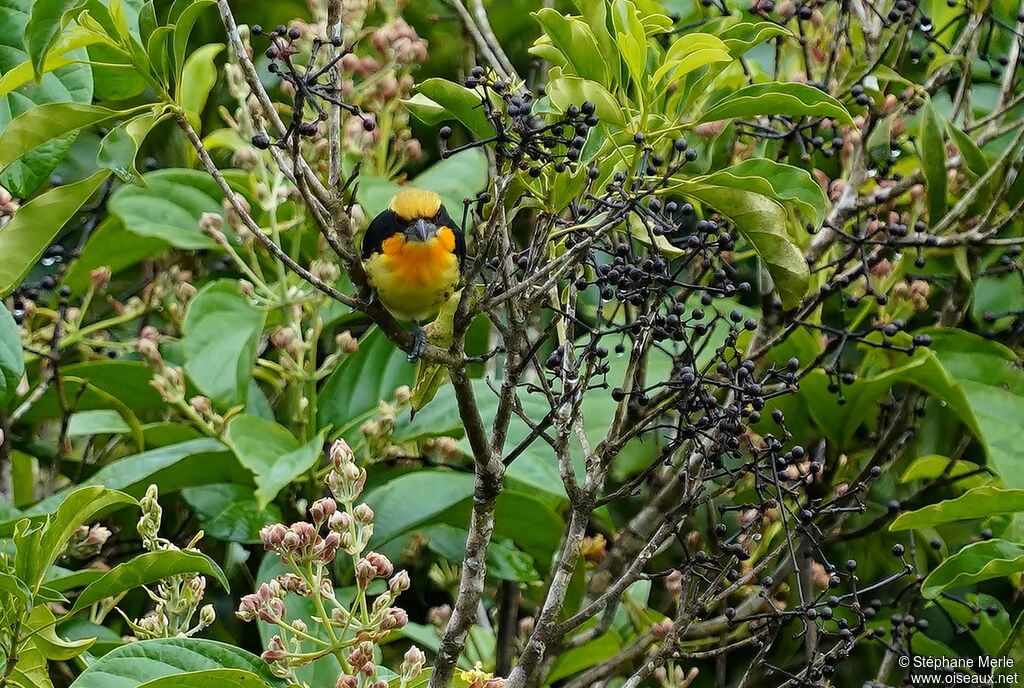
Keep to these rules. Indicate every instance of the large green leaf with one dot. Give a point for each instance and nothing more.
(46, 122)
(120, 146)
(171, 468)
(197, 81)
(993, 386)
(44, 25)
(12, 359)
(145, 569)
(975, 563)
(69, 83)
(933, 162)
(981, 502)
(440, 100)
(762, 222)
(124, 381)
(352, 393)
(230, 512)
(41, 543)
(136, 664)
(169, 207)
(689, 52)
(574, 38)
(221, 333)
(400, 505)
(272, 453)
(570, 90)
(113, 246)
(503, 561)
(24, 238)
(210, 678)
(777, 98)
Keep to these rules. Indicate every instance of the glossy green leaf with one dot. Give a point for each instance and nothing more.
(69, 83)
(47, 122)
(459, 102)
(974, 563)
(97, 422)
(230, 512)
(981, 502)
(934, 465)
(503, 561)
(352, 393)
(35, 224)
(690, 52)
(12, 358)
(42, 624)
(40, 544)
(145, 569)
(198, 78)
(272, 453)
(570, 90)
(932, 147)
(762, 222)
(776, 98)
(574, 38)
(399, 505)
(120, 147)
(169, 207)
(136, 664)
(183, 26)
(75, 38)
(44, 25)
(193, 462)
(210, 678)
(221, 332)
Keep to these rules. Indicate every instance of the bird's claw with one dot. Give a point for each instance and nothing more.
(419, 340)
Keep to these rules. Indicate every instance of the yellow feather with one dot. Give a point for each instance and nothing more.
(410, 204)
(414, 278)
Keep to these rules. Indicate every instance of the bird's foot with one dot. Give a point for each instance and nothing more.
(419, 340)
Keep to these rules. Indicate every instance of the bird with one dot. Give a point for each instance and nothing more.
(413, 256)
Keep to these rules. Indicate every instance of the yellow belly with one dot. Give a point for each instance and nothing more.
(410, 285)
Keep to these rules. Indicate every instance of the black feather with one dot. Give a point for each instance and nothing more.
(382, 227)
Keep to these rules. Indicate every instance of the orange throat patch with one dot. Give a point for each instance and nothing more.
(423, 264)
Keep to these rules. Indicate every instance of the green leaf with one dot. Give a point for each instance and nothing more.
(573, 37)
(777, 98)
(400, 507)
(273, 455)
(75, 38)
(33, 227)
(456, 102)
(170, 468)
(136, 664)
(221, 331)
(230, 512)
(43, 26)
(97, 422)
(933, 465)
(741, 37)
(169, 207)
(39, 546)
(933, 162)
(353, 391)
(197, 81)
(120, 147)
(690, 52)
(631, 37)
(126, 382)
(211, 678)
(47, 122)
(786, 184)
(69, 83)
(975, 563)
(981, 502)
(146, 569)
(113, 246)
(503, 562)
(570, 90)
(12, 359)
(993, 386)
(762, 222)
(182, 30)
(42, 624)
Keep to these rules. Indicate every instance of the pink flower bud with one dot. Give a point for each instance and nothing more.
(341, 454)
(322, 510)
(399, 583)
(381, 564)
(275, 651)
(393, 619)
(363, 514)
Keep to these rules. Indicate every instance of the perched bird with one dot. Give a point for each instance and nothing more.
(413, 255)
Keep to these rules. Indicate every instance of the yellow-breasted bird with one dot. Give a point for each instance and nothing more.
(413, 255)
